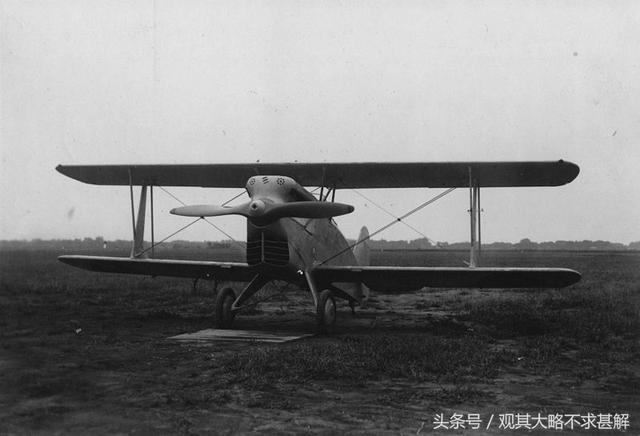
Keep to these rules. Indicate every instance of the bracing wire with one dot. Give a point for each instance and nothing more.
(397, 220)
(224, 233)
(205, 220)
(237, 196)
(314, 190)
(171, 235)
(173, 196)
(393, 216)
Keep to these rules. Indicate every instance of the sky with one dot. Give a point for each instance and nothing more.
(117, 82)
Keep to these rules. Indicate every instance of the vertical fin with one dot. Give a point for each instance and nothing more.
(362, 253)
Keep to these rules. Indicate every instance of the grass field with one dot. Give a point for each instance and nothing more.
(87, 353)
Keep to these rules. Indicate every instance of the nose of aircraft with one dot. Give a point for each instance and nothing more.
(257, 208)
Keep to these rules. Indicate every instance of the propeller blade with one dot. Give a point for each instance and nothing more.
(263, 213)
(210, 210)
(306, 209)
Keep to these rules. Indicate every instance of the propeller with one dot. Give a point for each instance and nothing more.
(261, 212)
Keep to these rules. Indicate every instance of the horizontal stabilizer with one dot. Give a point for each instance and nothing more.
(338, 175)
(382, 278)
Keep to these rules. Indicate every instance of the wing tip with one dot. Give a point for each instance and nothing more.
(573, 277)
(68, 170)
(75, 261)
(568, 171)
(90, 174)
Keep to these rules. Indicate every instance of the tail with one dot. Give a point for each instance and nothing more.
(362, 253)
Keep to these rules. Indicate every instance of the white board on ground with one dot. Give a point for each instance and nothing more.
(210, 335)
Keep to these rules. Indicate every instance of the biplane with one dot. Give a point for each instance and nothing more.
(291, 234)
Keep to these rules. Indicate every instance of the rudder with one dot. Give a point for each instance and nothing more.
(362, 253)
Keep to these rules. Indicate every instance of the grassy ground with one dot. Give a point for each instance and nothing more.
(87, 353)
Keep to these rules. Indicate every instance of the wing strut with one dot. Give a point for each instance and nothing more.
(474, 214)
(137, 250)
(479, 227)
(153, 242)
(137, 247)
(133, 211)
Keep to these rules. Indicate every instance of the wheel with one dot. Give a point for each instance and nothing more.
(326, 311)
(224, 316)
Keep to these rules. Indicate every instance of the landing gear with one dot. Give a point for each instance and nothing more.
(326, 311)
(224, 315)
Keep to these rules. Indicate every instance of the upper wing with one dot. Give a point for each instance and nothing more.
(339, 175)
(231, 271)
(391, 278)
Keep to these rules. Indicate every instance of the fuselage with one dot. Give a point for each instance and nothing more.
(296, 245)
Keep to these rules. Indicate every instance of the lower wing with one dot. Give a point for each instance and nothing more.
(383, 278)
(231, 271)
(379, 278)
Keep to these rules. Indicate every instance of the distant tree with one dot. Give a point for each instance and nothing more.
(526, 244)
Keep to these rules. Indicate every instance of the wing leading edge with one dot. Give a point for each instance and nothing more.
(400, 279)
(228, 271)
(339, 175)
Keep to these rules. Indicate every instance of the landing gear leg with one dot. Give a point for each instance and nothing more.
(352, 305)
(326, 311)
(224, 316)
(325, 305)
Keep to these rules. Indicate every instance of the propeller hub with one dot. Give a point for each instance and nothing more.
(257, 208)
